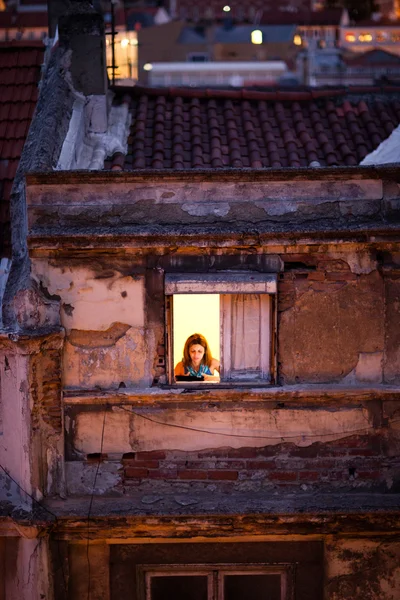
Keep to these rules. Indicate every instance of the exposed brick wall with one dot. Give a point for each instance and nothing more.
(329, 320)
(304, 272)
(354, 462)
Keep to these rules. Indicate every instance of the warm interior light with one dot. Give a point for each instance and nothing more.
(148, 67)
(297, 40)
(124, 42)
(365, 37)
(256, 36)
(196, 313)
(134, 42)
(226, 9)
(350, 37)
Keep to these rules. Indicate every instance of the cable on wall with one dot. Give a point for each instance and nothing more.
(91, 503)
(261, 437)
(50, 531)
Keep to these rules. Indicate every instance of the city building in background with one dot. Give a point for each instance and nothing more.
(382, 34)
(23, 20)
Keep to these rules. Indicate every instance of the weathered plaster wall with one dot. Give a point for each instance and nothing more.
(335, 316)
(24, 568)
(332, 319)
(244, 448)
(32, 440)
(184, 203)
(392, 328)
(124, 432)
(364, 569)
(103, 315)
(16, 433)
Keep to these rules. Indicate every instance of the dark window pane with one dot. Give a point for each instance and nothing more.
(256, 587)
(185, 587)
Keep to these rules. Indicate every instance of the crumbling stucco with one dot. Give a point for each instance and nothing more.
(103, 314)
(333, 329)
(186, 429)
(108, 366)
(362, 569)
(95, 301)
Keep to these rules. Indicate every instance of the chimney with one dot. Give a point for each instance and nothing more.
(81, 33)
(56, 8)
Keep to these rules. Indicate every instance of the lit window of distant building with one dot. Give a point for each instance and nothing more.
(365, 37)
(350, 37)
(256, 36)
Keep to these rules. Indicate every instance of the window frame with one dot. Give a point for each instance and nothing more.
(224, 283)
(215, 574)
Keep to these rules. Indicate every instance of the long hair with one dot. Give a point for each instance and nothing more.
(197, 338)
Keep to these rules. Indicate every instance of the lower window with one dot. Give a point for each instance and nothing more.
(219, 582)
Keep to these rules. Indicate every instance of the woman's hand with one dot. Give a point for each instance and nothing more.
(211, 377)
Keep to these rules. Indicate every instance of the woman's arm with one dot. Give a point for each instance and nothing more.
(214, 366)
(179, 369)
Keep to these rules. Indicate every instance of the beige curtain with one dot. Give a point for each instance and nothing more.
(245, 332)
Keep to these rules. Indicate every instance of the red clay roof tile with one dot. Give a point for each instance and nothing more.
(20, 68)
(185, 128)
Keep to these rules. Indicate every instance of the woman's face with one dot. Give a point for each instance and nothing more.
(196, 352)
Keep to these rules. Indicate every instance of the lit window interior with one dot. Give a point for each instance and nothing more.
(256, 37)
(297, 40)
(196, 313)
(350, 37)
(126, 56)
(365, 37)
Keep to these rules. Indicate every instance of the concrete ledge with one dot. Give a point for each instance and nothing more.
(225, 396)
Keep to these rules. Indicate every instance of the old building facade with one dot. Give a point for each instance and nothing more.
(282, 478)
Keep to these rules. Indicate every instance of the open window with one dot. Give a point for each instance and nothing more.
(216, 582)
(235, 312)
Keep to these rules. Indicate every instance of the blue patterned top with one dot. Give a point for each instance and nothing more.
(203, 370)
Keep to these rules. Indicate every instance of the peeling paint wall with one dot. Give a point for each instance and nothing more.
(331, 322)
(103, 315)
(335, 315)
(15, 440)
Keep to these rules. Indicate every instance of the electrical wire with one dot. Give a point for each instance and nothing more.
(261, 437)
(91, 503)
(27, 493)
(55, 522)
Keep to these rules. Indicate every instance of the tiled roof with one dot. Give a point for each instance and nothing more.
(19, 76)
(189, 129)
(23, 20)
(372, 58)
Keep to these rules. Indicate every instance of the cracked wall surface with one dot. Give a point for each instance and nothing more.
(103, 316)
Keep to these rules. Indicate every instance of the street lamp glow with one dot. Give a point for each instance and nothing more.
(124, 42)
(148, 67)
(226, 8)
